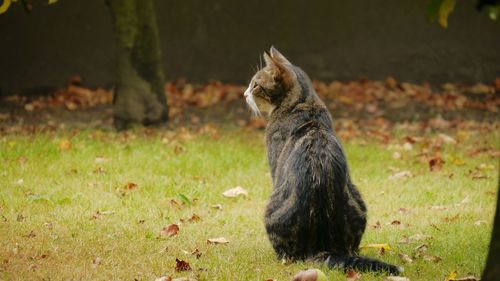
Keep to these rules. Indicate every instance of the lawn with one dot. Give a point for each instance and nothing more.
(91, 204)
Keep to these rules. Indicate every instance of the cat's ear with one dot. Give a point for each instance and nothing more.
(279, 70)
(275, 54)
(267, 58)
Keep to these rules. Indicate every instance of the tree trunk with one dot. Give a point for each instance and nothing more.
(139, 93)
(492, 270)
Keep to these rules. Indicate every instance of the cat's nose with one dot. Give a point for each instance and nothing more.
(246, 93)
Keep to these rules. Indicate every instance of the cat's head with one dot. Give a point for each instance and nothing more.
(270, 84)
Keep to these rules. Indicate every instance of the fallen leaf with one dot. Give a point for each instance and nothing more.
(405, 258)
(431, 258)
(420, 237)
(419, 250)
(436, 163)
(451, 276)
(65, 145)
(235, 192)
(96, 262)
(485, 167)
(182, 265)
(395, 222)
(396, 278)
(352, 275)
(98, 214)
(130, 186)
(396, 155)
(170, 230)
(468, 278)
(384, 247)
(32, 234)
(196, 253)
(218, 240)
(480, 222)
(194, 218)
(447, 139)
(376, 225)
(401, 175)
(451, 218)
(217, 206)
(310, 275)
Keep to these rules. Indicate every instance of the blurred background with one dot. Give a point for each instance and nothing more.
(223, 39)
(159, 62)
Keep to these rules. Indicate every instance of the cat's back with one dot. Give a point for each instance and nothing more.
(307, 123)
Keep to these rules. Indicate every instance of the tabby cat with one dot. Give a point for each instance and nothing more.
(315, 212)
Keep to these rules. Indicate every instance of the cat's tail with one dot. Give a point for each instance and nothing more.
(360, 263)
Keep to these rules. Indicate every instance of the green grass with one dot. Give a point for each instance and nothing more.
(49, 199)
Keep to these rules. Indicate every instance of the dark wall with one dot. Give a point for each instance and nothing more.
(222, 39)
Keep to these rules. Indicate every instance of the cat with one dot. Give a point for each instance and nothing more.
(315, 212)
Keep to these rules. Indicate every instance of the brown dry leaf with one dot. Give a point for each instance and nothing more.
(395, 222)
(170, 230)
(235, 192)
(96, 262)
(217, 206)
(420, 237)
(431, 258)
(405, 258)
(376, 225)
(451, 218)
(178, 149)
(194, 218)
(419, 250)
(182, 265)
(436, 163)
(130, 186)
(196, 253)
(98, 214)
(218, 240)
(65, 145)
(352, 275)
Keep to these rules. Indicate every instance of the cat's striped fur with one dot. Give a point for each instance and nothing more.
(315, 211)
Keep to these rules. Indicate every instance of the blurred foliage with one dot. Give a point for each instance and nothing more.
(27, 4)
(440, 10)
